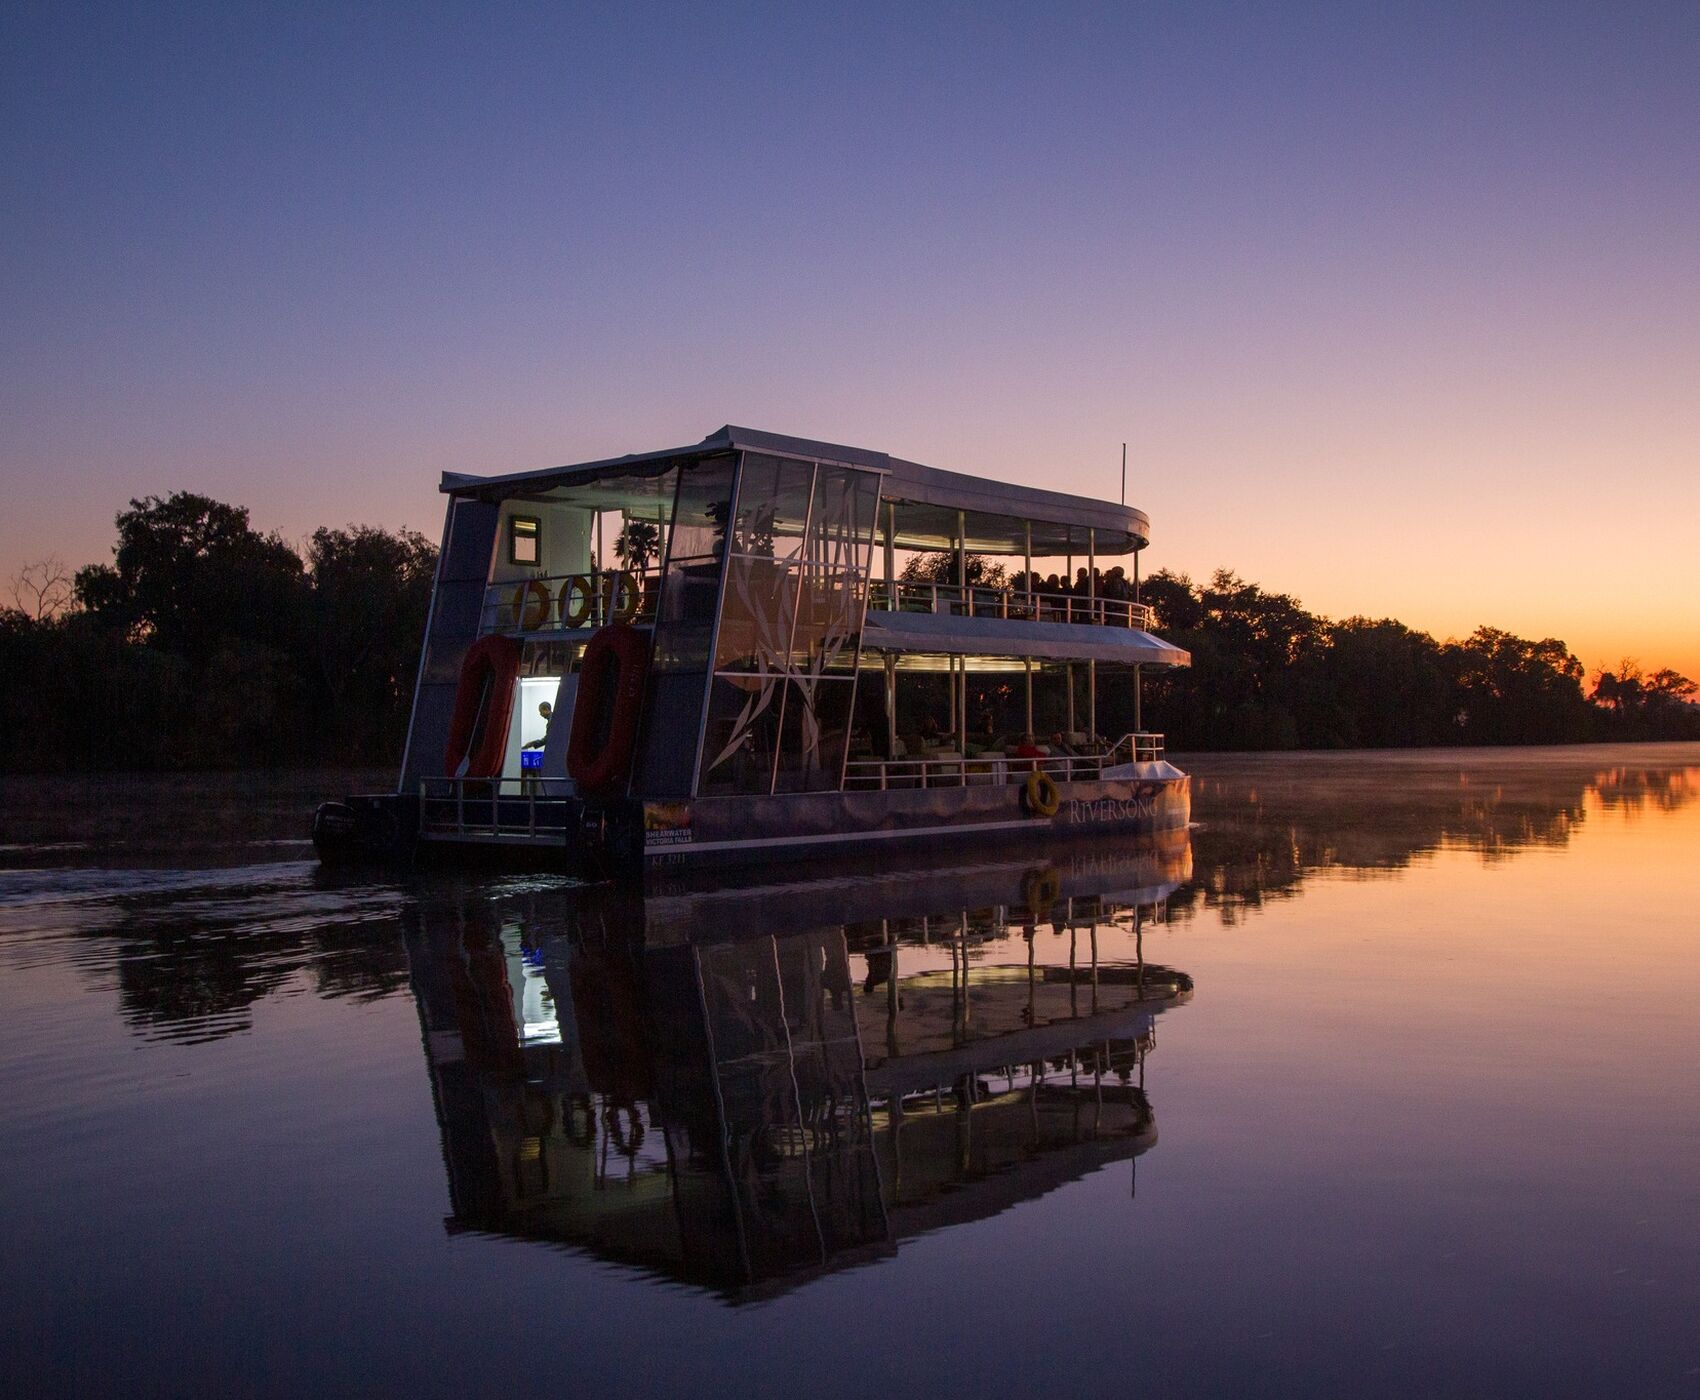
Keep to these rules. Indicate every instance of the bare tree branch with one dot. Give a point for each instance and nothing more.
(42, 588)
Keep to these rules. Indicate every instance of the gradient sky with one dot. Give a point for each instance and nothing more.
(1397, 311)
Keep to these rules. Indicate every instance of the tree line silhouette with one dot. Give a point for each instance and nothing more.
(1268, 674)
(205, 643)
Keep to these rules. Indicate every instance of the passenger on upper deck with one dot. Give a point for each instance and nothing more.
(1027, 748)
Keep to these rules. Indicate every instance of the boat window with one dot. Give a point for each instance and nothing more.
(841, 522)
(684, 627)
(773, 506)
(813, 728)
(739, 738)
(829, 617)
(790, 622)
(699, 517)
(541, 658)
(755, 619)
(525, 539)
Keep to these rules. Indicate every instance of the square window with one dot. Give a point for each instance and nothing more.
(525, 539)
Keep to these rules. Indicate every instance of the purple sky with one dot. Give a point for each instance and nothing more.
(1397, 307)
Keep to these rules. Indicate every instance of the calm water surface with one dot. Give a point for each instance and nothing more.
(1386, 1081)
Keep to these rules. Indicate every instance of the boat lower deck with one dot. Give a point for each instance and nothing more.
(629, 836)
(1157, 798)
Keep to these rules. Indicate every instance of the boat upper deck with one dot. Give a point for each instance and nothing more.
(930, 505)
(955, 526)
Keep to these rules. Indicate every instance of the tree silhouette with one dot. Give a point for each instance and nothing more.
(43, 589)
(637, 544)
(940, 567)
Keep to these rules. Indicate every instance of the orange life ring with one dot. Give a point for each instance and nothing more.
(531, 604)
(1041, 794)
(625, 593)
(478, 728)
(577, 594)
(609, 703)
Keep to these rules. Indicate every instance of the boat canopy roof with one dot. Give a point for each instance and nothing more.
(926, 502)
(952, 635)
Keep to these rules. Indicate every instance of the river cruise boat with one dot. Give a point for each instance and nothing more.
(763, 646)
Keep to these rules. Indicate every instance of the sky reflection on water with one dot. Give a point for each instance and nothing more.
(1385, 1081)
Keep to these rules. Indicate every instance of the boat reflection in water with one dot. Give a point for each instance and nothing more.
(741, 1090)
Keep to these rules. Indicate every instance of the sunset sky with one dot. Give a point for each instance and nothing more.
(1399, 313)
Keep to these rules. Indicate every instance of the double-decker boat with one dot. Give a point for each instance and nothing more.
(767, 646)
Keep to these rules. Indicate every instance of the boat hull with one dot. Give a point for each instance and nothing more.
(798, 826)
(632, 837)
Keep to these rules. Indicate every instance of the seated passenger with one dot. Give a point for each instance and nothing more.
(1027, 748)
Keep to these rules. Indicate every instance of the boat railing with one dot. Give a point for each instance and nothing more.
(1022, 605)
(1142, 746)
(496, 808)
(571, 602)
(995, 769)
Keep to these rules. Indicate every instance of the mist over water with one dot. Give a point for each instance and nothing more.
(1384, 1080)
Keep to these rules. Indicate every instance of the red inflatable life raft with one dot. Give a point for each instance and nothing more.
(605, 714)
(478, 729)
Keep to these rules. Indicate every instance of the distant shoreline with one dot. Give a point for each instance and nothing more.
(383, 773)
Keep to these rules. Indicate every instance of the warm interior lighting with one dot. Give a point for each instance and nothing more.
(525, 539)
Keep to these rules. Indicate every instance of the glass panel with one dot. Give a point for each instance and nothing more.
(667, 749)
(685, 621)
(743, 725)
(756, 663)
(811, 743)
(829, 612)
(699, 519)
(472, 541)
(773, 503)
(755, 621)
(841, 526)
(684, 628)
(548, 658)
(633, 542)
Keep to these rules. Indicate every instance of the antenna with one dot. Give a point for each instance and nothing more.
(1124, 473)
